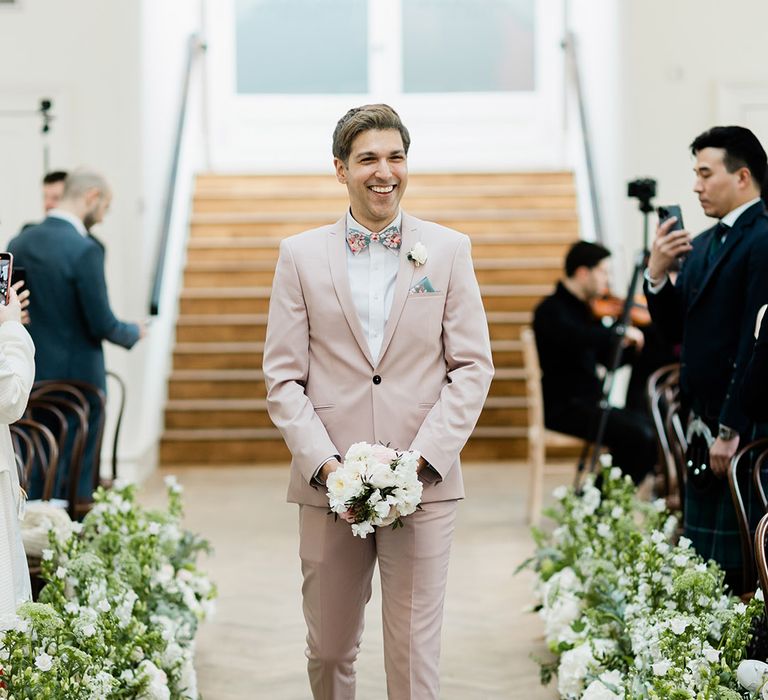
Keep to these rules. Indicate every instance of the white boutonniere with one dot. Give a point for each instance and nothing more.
(418, 254)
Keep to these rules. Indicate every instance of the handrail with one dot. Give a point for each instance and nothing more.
(196, 46)
(569, 45)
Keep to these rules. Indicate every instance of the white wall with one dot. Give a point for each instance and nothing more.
(114, 72)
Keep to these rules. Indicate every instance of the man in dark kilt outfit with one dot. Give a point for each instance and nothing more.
(711, 310)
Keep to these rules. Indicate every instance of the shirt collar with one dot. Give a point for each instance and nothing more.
(71, 218)
(730, 218)
(397, 221)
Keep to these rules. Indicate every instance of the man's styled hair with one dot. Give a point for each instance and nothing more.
(742, 149)
(584, 254)
(54, 176)
(81, 180)
(366, 118)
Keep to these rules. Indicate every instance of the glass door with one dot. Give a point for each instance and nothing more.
(478, 82)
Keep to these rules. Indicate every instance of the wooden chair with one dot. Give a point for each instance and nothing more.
(36, 448)
(739, 471)
(662, 389)
(107, 482)
(539, 438)
(761, 558)
(757, 477)
(74, 404)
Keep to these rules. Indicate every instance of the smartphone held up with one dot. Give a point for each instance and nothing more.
(6, 270)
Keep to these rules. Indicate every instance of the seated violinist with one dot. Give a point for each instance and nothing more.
(571, 342)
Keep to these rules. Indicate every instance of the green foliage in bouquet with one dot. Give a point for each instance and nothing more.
(627, 612)
(118, 615)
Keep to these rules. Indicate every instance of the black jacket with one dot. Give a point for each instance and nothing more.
(711, 311)
(69, 308)
(571, 342)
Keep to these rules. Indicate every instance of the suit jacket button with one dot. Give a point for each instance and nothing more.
(376, 379)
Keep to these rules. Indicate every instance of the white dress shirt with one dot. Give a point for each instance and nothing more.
(372, 276)
(729, 220)
(77, 223)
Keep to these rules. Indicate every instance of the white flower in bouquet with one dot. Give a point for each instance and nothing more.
(752, 674)
(375, 486)
(574, 666)
(597, 690)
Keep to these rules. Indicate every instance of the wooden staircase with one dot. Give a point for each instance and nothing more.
(521, 224)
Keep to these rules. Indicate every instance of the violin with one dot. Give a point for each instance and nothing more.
(612, 306)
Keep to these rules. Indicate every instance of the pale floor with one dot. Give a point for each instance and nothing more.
(254, 647)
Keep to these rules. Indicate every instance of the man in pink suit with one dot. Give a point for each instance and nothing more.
(376, 333)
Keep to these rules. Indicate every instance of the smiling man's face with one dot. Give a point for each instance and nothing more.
(376, 176)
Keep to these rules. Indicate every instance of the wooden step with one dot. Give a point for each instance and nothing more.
(237, 355)
(499, 411)
(325, 188)
(228, 328)
(259, 273)
(249, 383)
(225, 182)
(245, 300)
(491, 246)
(207, 355)
(263, 445)
(335, 202)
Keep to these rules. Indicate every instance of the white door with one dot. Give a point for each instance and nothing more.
(477, 82)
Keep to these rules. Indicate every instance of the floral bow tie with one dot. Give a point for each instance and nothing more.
(359, 240)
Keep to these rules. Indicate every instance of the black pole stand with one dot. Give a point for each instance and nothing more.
(619, 328)
(45, 112)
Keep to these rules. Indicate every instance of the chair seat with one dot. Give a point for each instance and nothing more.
(555, 439)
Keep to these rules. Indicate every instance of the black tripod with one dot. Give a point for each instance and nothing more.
(644, 190)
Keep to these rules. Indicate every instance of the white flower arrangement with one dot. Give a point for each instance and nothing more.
(418, 254)
(630, 614)
(118, 616)
(375, 486)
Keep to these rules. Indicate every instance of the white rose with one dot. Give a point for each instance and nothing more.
(418, 254)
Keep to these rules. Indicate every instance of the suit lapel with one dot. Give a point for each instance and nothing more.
(731, 241)
(337, 258)
(404, 282)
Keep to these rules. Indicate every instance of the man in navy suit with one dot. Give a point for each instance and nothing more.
(711, 310)
(69, 311)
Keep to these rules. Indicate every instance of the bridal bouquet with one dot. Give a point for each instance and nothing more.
(375, 486)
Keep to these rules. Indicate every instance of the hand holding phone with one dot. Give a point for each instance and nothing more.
(667, 212)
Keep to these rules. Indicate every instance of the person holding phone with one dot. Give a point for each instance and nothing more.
(70, 314)
(17, 371)
(711, 311)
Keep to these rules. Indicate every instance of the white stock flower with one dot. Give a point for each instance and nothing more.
(711, 654)
(660, 668)
(604, 530)
(44, 662)
(759, 595)
(591, 499)
(362, 530)
(47, 554)
(678, 625)
(560, 492)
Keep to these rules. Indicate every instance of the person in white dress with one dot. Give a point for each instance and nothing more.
(17, 372)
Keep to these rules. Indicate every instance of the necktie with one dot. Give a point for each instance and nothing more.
(721, 232)
(360, 240)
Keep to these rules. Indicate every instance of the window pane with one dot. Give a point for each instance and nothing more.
(283, 46)
(468, 45)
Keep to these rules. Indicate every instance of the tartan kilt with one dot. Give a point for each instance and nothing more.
(710, 521)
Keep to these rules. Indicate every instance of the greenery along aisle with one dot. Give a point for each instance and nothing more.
(118, 616)
(627, 613)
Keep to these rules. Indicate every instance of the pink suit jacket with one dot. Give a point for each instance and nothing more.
(425, 392)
